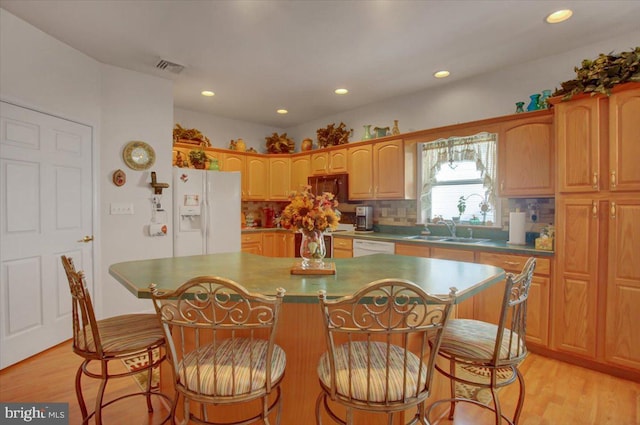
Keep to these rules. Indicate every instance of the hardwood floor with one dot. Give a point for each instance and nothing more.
(557, 393)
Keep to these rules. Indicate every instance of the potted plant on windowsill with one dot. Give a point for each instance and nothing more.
(198, 159)
(462, 206)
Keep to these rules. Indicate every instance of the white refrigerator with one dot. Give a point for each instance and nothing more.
(206, 211)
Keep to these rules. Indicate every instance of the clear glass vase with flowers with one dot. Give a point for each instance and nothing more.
(311, 215)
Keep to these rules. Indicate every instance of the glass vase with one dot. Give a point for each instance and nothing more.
(367, 132)
(312, 249)
(542, 103)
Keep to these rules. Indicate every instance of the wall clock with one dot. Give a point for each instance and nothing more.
(138, 155)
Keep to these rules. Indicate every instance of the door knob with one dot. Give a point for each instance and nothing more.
(86, 239)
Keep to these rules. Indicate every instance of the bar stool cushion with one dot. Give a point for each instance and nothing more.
(123, 334)
(243, 357)
(378, 390)
(474, 339)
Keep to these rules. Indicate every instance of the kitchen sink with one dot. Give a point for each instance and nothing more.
(445, 239)
(427, 238)
(464, 240)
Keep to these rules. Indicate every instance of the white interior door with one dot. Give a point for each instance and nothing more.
(46, 198)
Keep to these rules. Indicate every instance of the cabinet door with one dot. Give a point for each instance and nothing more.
(279, 178)
(342, 247)
(360, 178)
(236, 162)
(252, 243)
(413, 250)
(622, 342)
(338, 161)
(300, 170)
(526, 157)
(579, 136)
(319, 163)
(388, 170)
(576, 286)
(269, 241)
(257, 178)
(489, 302)
(624, 141)
(286, 245)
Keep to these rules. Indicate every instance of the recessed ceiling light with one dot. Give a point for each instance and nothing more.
(341, 91)
(207, 93)
(559, 16)
(282, 111)
(441, 74)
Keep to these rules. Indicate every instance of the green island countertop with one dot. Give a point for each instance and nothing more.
(265, 274)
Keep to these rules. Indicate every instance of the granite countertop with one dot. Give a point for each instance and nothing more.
(496, 245)
(265, 274)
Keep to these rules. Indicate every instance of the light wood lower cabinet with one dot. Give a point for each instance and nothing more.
(622, 331)
(251, 243)
(413, 250)
(342, 247)
(488, 303)
(269, 244)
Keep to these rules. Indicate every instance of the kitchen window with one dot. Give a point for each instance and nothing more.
(454, 171)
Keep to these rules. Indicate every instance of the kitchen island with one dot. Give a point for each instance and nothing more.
(300, 332)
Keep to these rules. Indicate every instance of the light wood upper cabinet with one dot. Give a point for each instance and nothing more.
(526, 165)
(579, 138)
(331, 161)
(388, 170)
(257, 171)
(376, 170)
(237, 162)
(360, 159)
(300, 170)
(279, 178)
(624, 141)
(622, 342)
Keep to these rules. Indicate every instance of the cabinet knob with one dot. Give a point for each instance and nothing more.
(594, 209)
(595, 180)
(613, 179)
(613, 210)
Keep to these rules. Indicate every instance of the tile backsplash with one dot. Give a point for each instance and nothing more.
(403, 212)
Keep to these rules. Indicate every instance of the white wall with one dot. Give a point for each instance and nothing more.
(134, 107)
(221, 131)
(484, 96)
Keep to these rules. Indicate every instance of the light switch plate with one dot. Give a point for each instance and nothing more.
(121, 208)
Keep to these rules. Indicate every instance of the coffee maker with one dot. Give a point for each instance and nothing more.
(364, 218)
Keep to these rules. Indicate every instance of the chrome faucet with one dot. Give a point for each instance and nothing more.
(451, 227)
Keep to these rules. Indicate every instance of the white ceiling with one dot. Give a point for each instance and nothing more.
(259, 56)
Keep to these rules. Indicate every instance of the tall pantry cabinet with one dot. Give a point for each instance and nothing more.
(597, 293)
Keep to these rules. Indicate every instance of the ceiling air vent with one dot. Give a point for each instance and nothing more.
(169, 66)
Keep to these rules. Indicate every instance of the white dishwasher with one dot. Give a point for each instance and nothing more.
(363, 247)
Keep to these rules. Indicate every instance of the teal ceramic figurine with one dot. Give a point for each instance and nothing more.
(519, 107)
(535, 100)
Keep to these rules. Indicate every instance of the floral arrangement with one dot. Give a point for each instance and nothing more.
(308, 212)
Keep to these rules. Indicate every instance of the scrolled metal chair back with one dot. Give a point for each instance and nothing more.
(396, 313)
(512, 325)
(206, 310)
(86, 338)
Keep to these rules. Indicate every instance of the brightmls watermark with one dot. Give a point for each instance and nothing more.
(35, 413)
